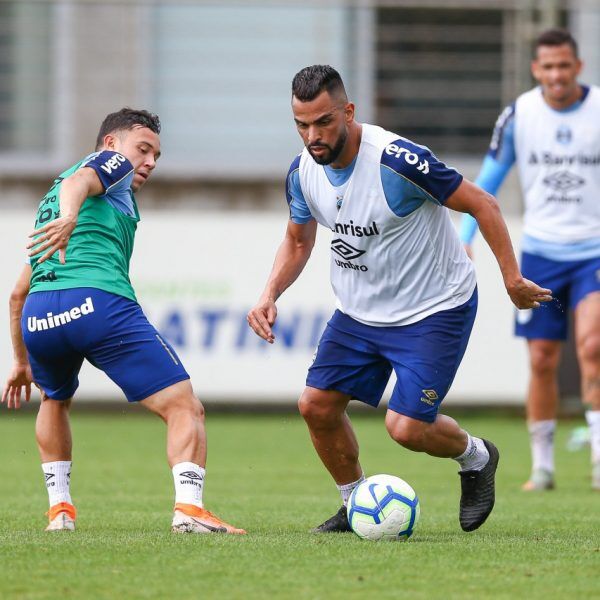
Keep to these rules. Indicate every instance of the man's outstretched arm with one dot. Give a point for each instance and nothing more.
(470, 199)
(20, 375)
(291, 257)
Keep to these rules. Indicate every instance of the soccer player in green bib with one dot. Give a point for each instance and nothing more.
(75, 301)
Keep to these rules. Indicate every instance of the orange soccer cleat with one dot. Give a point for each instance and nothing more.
(189, 518)
(61, 517)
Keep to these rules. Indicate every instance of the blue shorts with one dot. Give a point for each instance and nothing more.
(358, 359)
(63, 327)
(570, 281)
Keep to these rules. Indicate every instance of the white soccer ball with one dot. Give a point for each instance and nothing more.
(383, 507)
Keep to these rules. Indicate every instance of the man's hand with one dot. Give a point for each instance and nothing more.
(261, 319)
(52, 237)
(526, 294)
(20, 377)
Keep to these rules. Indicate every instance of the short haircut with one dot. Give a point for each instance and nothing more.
(311, 81)
(556, 37)
(125, 119)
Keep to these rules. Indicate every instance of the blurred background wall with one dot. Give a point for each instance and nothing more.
(219, 74)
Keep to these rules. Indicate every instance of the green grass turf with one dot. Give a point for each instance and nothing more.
(263, 475)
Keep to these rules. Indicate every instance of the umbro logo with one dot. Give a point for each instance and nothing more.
(345, 250)
(191, 475)
(429, 397)
(561, 181)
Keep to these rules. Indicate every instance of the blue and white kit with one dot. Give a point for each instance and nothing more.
(397, 268)
(558, 156)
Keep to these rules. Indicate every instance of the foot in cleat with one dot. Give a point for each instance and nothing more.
(61, 517)
(336, 524)
(189, 518)
(539, 481)
(478, 492)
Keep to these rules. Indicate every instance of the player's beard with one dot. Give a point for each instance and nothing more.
(328, 158)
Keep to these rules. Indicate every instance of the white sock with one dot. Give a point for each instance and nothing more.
(475, 456)
(189, 483)
(346, 489)
(593, 419)
(541, 439)
(58, 480)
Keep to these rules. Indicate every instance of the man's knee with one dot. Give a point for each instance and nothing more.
(407, 432)
(588, 349)
(189, 405)
(544, 359)
(57, 406)
(175, 401)
(321, 408)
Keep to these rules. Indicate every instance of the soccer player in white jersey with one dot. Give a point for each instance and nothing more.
(552, 132)
(405, 289)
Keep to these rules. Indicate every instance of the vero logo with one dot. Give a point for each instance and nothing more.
(113, 163)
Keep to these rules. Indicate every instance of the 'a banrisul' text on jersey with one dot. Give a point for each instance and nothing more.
(101, 245)
(559, 164)
(395, 256)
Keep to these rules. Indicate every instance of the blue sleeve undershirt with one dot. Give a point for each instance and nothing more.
(497, 163)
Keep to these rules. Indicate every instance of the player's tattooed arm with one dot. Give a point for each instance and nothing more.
(468, 198)
(54, 236)
(291, 257)
(20, 377)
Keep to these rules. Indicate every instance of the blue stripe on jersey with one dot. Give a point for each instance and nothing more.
(299, 211)
(419, 166)
(582, 250)
(116, 174)
(502, 144)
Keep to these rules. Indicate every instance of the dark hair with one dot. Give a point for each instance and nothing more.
(311, 81)
(556, 37)
(127, 118)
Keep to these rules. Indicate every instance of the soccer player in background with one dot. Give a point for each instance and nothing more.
(405, 288)
(76, 302)
(552, 133)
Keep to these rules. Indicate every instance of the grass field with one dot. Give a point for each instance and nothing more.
(263, 475)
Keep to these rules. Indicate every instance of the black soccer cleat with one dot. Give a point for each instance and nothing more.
(336, 524)
(478, 492)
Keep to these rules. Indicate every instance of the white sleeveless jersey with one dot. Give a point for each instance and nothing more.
(558, 154)
(387, 269)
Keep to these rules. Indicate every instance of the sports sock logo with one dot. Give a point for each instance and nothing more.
(50, 321)
(192, 478)
(48, 477)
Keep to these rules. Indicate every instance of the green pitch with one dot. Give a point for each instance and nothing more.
(264, 476)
